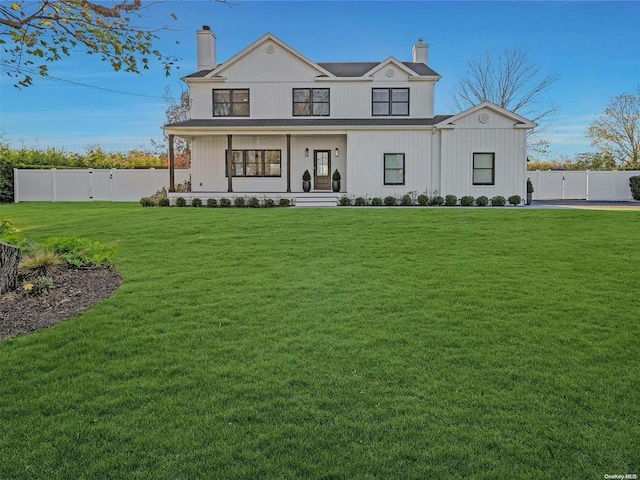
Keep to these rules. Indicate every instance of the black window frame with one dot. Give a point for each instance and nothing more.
(231, 102)
(310, 103)
(493, 169)
(263, 155)
(390, 102)
(384, 168)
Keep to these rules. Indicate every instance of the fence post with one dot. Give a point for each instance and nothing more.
(53, 184)
(538, 183)
(91, 184)
(16, 197)
(111, 184)
(587, 171)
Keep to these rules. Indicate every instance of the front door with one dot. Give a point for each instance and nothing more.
(322, 169)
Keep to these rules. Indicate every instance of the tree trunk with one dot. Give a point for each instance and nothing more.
(9, 259)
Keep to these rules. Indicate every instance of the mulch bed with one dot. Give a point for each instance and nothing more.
(74, 291)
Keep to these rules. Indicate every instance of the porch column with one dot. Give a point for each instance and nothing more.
(172, 176)
(288, 162)
(229, 165)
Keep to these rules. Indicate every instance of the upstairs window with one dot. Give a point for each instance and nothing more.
(484, 172)
(389, 101)
(394, 168)
(310, 102)
(231, 102)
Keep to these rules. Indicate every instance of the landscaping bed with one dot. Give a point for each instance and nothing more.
(74, 291)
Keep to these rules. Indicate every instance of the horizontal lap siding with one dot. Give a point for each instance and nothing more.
(366, 162)
(458, 146)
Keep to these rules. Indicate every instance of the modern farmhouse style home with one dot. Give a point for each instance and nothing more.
(265, 116)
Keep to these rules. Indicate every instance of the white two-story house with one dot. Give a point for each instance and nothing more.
(264, 116)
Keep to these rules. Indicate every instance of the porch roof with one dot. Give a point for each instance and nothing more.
(306, 122)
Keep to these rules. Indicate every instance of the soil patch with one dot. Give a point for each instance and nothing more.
(74, 291)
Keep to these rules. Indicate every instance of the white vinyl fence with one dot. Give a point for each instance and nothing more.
(582, 185)
(88, 185)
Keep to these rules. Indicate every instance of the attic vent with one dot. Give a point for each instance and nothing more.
(390, 72)
(483, 117)
(270, 48)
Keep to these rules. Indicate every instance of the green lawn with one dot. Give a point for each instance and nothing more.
(338, 343)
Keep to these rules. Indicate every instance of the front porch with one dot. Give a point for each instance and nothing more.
(263, 164)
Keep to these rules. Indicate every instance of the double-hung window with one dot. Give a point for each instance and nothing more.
(310, 102)
(484, 171)
(231, 102)
(389, 101)
(394, 168)
(255, 163)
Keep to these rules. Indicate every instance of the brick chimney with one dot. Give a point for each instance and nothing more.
(420, 52)
(206, 48)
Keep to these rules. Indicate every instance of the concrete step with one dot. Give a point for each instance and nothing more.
(317, 201)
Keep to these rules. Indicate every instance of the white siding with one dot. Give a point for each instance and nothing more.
(457, 149)
(365, 167)
(208, 160)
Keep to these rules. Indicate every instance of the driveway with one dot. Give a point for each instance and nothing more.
(585, 205)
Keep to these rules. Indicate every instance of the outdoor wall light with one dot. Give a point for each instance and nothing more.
(337, 152)
(306, 152)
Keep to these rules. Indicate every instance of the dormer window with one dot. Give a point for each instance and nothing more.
(231, 102)
(312, 102)
(389, 101)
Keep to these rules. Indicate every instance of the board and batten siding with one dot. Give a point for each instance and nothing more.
(457, 148)
(365, 166)
(208, 161)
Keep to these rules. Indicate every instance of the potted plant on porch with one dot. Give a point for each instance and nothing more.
(306, 181)
(335, 183)
(529, 191)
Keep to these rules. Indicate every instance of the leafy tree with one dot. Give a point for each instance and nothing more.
(510, 80)
(44, 30)
(177, 111)
(593, 161)
(616, 132)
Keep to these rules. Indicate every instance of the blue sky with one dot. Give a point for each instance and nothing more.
(593, 47)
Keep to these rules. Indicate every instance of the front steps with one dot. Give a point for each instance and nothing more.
(322, 200)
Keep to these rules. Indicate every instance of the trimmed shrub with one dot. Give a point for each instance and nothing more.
(406, 200)
(376, 201)
(196, 202)
(634, 184)
(482, 201)
(336, 176)
(181, 202)
(212, 202)
(467, 201)
(345, 201)
(225, 203)
(450, 200)
(361, 202)
(423, 200)
(254, 202)
(437, 201)
(163, 202)
(269, 202)
(498, 201)
(390, 201)
(284, 202)
(515, 199)
(146, 202)
(239, 202)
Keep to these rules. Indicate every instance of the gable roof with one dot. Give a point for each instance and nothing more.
(358, 69)
(326, 69)
(266, 37)
(518, 119)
